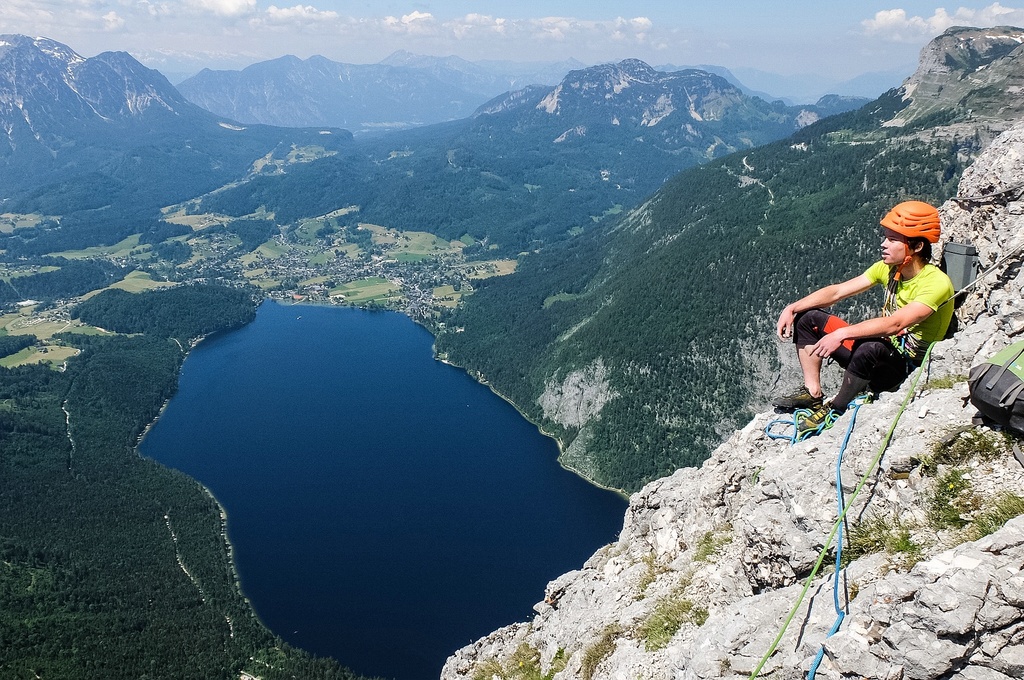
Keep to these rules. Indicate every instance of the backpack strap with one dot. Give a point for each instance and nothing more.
(1011, 394)
(999, 374)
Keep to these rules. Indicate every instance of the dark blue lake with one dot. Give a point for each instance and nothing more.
(385, 508)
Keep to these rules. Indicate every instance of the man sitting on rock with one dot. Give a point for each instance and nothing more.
(879, 353)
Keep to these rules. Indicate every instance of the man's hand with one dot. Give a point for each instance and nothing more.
(828, 344)
(784, 328)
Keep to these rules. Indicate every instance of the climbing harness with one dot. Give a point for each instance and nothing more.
(837, 527)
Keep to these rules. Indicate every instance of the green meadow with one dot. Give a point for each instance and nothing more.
(373, 289)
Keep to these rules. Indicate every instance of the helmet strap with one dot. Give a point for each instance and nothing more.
(909, 255)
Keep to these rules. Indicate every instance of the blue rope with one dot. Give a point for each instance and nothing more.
(839, 522)
(794, 435)
(840, 612)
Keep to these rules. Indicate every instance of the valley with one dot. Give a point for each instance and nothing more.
(609, 254)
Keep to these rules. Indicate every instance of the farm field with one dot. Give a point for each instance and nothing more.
(121, 249)
(373, 289)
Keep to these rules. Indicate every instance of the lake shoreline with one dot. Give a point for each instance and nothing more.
(221, 510)
(540, 428)
(453, 491)
(480, 379)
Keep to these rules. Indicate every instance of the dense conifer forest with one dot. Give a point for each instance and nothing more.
(185, 312)
(60, 279)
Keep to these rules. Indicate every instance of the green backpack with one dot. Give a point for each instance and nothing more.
(997, 388)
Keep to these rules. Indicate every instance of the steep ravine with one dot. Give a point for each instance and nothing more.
(710, 560)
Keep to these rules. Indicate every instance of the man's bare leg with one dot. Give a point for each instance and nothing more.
(811, 367)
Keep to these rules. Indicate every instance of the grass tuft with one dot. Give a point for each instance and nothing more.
(945, 382)
(524, 664)
(951, 500)
(991, 519)
(960, 447)
(667, 618)
(599, 651)
(709, 544)
(881, 534)
(650, 575)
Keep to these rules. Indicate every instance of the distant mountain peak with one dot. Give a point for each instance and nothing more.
(966, 72)
(633, 90)
(45, 45)
(44, 84)
(402, 90)
(964, 50)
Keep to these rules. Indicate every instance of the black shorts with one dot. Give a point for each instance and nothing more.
(873, 359)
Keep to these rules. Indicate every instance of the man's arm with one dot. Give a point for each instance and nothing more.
(823, 297)
(904, 317)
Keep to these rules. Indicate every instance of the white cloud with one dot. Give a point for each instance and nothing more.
(23, 11)
(896, 25)
(555, 28)
(416, 23)
(225, 8)
(155, 9)
(475, 24)
(641, 24)
(297, 15)
(112, 22)
(258, 27)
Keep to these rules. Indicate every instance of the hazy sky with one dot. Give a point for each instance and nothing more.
(836, 38)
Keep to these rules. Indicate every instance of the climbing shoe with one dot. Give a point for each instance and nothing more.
(810, 422)
(799, 399)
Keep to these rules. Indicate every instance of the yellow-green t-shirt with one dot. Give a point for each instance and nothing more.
(931, 287)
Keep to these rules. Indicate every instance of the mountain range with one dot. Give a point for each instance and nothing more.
(538, 163)
(408, 90)
(404, 90)
(105, 142)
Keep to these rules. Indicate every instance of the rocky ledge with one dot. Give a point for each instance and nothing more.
(712, 560)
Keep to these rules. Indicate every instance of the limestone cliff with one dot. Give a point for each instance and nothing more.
(970, 76)
(710, 561)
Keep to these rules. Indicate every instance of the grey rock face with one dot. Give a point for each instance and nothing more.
(961, 70)
(711, 561)
(579, 397)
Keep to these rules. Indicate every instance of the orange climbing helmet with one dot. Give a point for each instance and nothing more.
(914, 219)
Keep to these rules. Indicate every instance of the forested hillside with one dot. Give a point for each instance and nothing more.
(110, 565)
(660, 330)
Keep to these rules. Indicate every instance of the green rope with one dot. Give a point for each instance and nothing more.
(842, 515)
